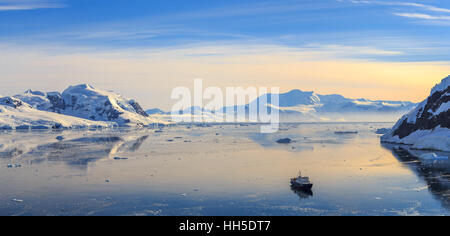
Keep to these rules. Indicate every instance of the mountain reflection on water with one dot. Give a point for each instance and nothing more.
(77, 152)
(436, 175)
(217, 170)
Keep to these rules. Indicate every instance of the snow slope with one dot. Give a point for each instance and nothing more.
(87, 102)
(16, 114)
(428, 125)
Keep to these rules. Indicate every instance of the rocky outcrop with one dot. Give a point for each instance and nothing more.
(57, 102)
(12, 102)
(428, 125)
(138, 108)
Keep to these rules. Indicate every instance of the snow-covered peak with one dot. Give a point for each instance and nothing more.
(79, 106)
(87, 102)
(43, 101)
(82, 89)
(18, 115)
(37, 93)
(90, 91)
(298, 97)
(308, 103)
(87, 93)
(332, 99)
(445, 83)
(428, 125)
(155, 111)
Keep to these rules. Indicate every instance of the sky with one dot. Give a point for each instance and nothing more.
(375, 49)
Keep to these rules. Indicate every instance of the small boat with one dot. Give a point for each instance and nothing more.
(302, 183)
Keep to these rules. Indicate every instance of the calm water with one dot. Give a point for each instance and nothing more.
(218, 170)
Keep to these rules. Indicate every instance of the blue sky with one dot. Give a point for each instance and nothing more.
(419, 28)
(374, 31)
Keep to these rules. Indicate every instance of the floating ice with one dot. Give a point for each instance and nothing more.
(284, 141)
(432, 157)
(382, 131)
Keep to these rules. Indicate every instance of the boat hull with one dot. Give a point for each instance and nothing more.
(301, 186)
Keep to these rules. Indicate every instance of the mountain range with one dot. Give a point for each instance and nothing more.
(298, 105)
(86, 106)
(78, 106)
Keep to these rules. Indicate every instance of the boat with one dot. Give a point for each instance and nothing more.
(301, 182)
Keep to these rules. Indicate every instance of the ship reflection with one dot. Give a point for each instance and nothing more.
(302, 193)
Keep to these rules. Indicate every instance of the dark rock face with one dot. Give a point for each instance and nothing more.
(107, 111)
(57, 102)
(57, 126)
(73, 102)
(138, 108)
(11, 102)
(426, 120)
(111, 113)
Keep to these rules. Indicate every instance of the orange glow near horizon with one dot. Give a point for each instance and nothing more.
(138, 74)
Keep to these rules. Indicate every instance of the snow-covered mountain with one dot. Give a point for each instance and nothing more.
(428, 125)
(300, 101)
(18, 115)
(298, 105)
(87, 102)
(156, 111)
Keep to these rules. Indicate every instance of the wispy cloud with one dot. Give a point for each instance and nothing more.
(423, 16)
(405, 4)
(17, 5)
(257, 8)
(429, 15)
(427, 7)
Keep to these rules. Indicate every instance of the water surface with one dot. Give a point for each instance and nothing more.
(217, 170)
